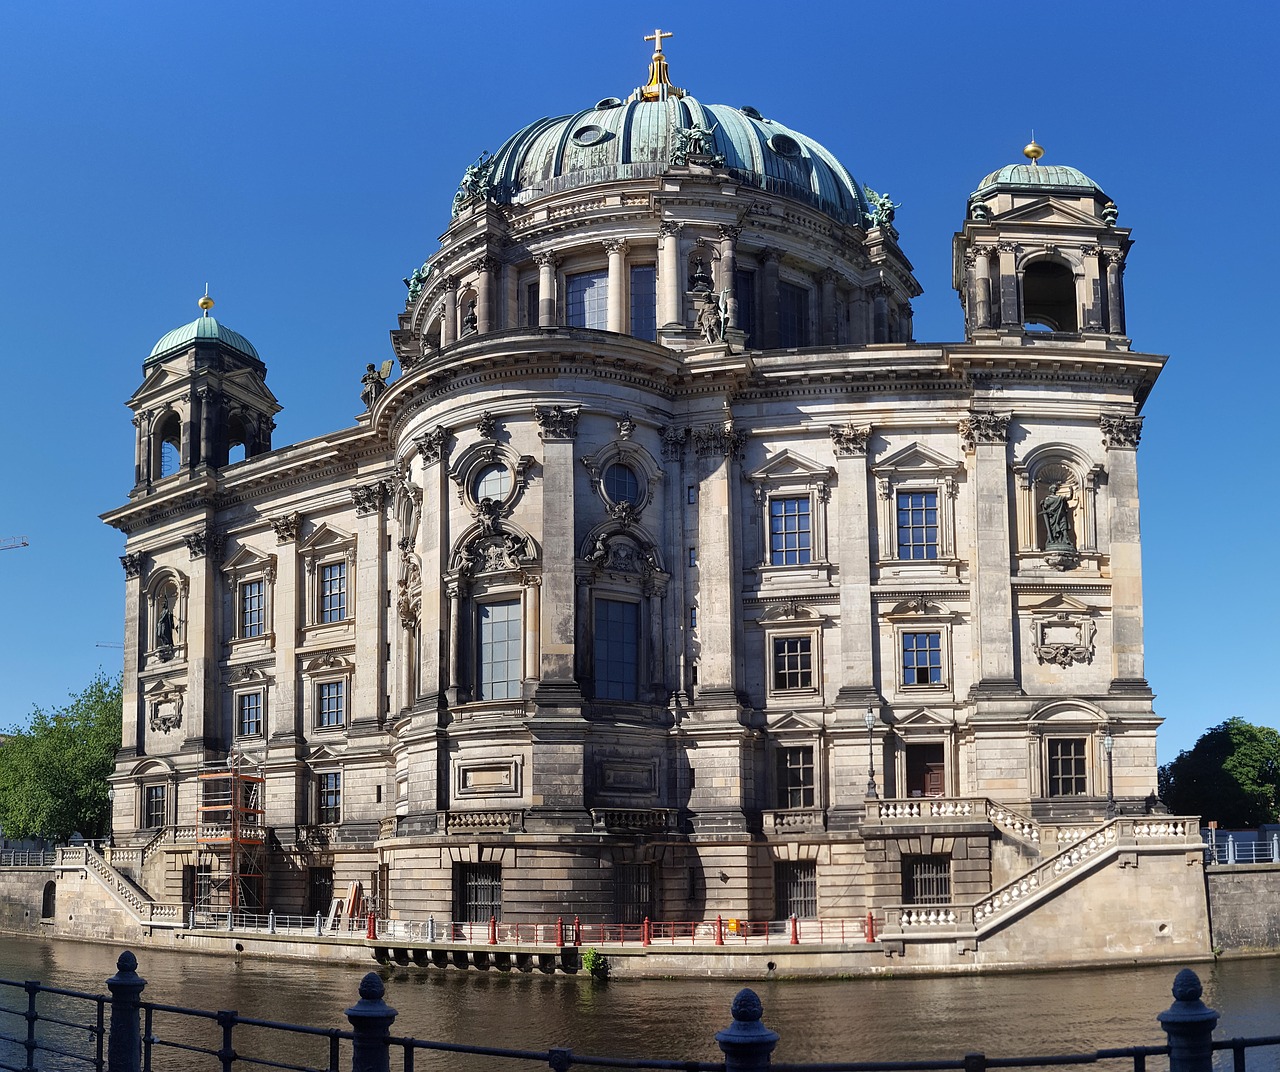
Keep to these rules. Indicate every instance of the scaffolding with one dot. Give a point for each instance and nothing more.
(230, 830)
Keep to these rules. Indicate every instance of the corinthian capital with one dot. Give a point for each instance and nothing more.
(1120, 430)
(984, 427)
(848, 440)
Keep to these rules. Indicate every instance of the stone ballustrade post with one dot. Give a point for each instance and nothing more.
(1120, 436)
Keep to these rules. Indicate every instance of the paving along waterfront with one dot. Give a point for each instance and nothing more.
(1016, 1014)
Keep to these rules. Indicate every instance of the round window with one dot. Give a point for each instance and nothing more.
(784, 145)
(493, 482)
(621, 484)
(590, 135)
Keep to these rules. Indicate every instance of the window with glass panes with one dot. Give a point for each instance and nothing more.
(793, 662)
(333, 592)
(587, 300)
(153, 803)
(921, 658)
(331, 706)
(531, 305)
(790, 535)
(917, 524)
(644, 302)
(793, 315)
(249, 714)
(498, 656)
(795, 777)
(621, 484)
(253, 608)
(329, 798)
(617, 649)
(1068, 776)
(493, 482)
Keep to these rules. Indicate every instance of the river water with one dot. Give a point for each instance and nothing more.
(847, 1020)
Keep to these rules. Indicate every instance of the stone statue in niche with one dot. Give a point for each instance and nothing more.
(1055, 511)
(164, 630)
(710, 323)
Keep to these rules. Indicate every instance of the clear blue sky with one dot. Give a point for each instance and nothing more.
(302, 159)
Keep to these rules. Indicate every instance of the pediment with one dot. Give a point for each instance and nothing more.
(327, 662)
(788, 465)
(163, 687)
(794, 723)
(923, 718)
(248, 560)
(247, 673)
(922, 608)
(917, 459)
(325, 538)
(246, 384)
(323, 754)
(150, 767)
(1068, 711)
(790, 611)
(1060, 602)
(1050, 210)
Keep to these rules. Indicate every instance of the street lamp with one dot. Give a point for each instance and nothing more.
(1108, 743)
(111, 815)
(870, 719)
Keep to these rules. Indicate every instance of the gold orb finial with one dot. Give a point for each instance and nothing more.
(206, 303)
(1033, 151)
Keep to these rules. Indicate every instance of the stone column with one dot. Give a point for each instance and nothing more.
(449, 322)
(209, 401)
(857, 653)
(558, 428)
(675, 617)
(669, 274)
(829, 279)
(880, 313)
(485, 267)
(861, 313)
(546, 290)
(768, 311)
(985, 435)
(509, 316)
(1115, 297)
(131, 736)
(433, 557)
(1091, 263)
(139, 449)
(368, 691)
(1120, 435)
(728, 268)
(452, 686)
(716, 447)
(616, 297)
(201, 721)
(1010, 308)
(532, 629)
(905, 315)
(979, 260)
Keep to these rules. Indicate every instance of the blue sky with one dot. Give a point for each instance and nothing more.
(301, 159)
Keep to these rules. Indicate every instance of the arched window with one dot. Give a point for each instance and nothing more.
(49, 901)
(168, 437)
(1049, 297)
(239, 439)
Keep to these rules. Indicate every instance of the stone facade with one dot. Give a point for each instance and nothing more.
(667, 554)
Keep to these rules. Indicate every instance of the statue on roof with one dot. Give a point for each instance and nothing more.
(373, 383)
(417, 280)
(695, 143)
(477, 182)
(883, 208)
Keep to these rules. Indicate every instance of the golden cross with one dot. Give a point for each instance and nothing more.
(656, 37)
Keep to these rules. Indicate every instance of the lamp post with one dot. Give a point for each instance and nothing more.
(870, 719)
(111, 816)
(1108, 743)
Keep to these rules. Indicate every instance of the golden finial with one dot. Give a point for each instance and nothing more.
(206, 303)
(659, 84)
(1032, 151)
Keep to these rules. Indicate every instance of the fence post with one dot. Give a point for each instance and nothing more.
(746, 1043)
(1189, 1023)
(124, 1047)
(646, 932)
(319, 931)
(431, 928)
(577, 931)
(720, 932)
(795, 930)
(372, 932)
(1231, 848)
(371, 1019)
(1275, 848)
(560, 931)
(271, 921)
(493, 930)
(191, 919)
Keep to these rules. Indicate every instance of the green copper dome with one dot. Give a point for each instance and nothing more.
(1038, 177)
(205, 327)
(642, 138)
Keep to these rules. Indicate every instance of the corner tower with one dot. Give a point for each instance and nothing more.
(1040, 252)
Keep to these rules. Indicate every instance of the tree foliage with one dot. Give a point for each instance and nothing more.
(53, 775)
(1232, 774)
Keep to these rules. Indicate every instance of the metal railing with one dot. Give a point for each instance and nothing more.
(123, 1033)
(1227, 850)
(28, 858)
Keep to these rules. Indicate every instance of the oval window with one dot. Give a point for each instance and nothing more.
(750, 113)
(608, 102)
(621, 484)
(493, 482)
(784, 145)
(590, 135)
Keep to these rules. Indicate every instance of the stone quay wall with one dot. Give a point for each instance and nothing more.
(1244, 907)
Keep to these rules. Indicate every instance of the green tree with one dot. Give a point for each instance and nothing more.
(53, 774)
(1231, 775)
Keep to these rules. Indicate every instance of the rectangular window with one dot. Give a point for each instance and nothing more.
(792, 662)
(796, 887)
(693, 617)
(329, 798)
(790, 535)
(795, 778)
(587, 300)
(644, 302)
(926, 879)
(617, 649)
(333, 592)
(253, 606)
(331, 703)
(633, 893)
(917, 524)
(793, 315)
(744, 290)
(693, 556)
(922, 658)
(154, 800)
(531, 305)
(499, 656)
(1067, 773)
(477, 892)
(249, 714)
(692, 496)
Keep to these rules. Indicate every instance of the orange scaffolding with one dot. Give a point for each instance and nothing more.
(230, 828)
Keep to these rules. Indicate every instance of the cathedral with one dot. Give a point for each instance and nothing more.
(667, 575)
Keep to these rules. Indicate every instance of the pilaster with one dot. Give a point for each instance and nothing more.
(1120, 436)
(284, 710)
(857, 655)
(368, 688)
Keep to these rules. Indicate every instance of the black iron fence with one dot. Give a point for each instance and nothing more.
(46, 1028)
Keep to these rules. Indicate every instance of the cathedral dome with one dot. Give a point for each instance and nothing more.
(204, 327)
(1056, 177)
(641, 138)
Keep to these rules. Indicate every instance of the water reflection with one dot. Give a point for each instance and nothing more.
(848, 1020)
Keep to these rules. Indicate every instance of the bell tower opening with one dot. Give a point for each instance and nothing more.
(1049, 297)
(168, 440)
